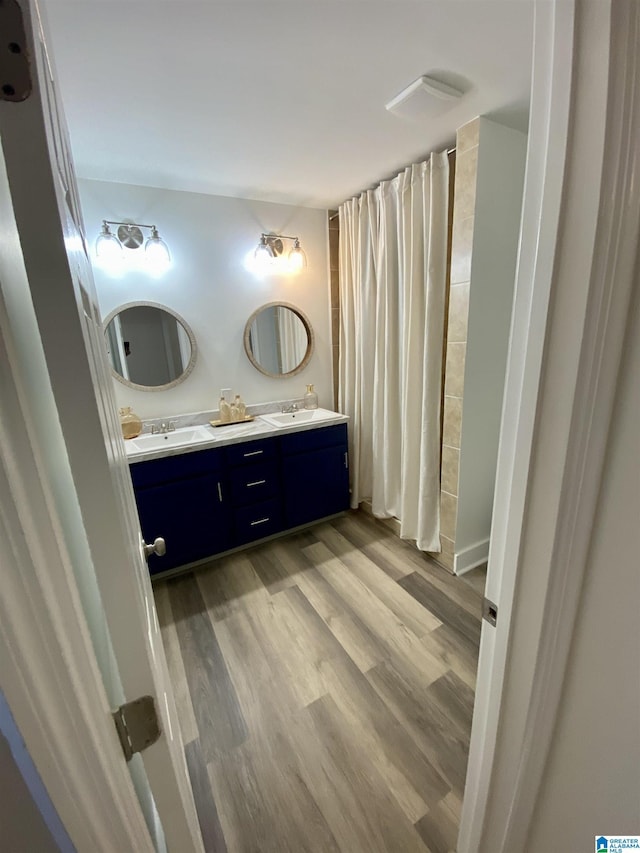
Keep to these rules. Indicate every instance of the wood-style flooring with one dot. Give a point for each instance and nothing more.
(325, 687)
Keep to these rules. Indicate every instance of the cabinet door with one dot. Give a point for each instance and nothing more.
(316, 484)
(190, 515)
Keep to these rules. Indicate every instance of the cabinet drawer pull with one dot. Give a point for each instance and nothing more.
(346, 459)
(219, 492)
(253, 453)
(257, 483)
(260, 521)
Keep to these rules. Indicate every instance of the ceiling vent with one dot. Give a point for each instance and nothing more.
(420, 98)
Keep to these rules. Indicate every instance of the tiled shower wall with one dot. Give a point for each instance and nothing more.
(462, 239)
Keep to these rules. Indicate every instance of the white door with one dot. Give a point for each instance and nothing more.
(577, 272)
(45, 204)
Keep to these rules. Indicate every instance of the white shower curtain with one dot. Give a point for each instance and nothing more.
(393, 257)
(293, 339)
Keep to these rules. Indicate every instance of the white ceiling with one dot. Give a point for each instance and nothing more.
(279, 101)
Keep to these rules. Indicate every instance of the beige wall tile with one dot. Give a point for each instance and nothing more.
(461, 248)
(454, 371)
(452, 421)
(334, 237)
(458, 313)
(334, 220)
(444, 557)
(335, 352)
(468, 135)
(335, 289)
(335, 326)
(450, 466)
(465, 183)
(448, 513)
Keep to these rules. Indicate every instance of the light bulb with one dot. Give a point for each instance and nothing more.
(157, 251)
(263, 254)
(108, 246)
(297, 258)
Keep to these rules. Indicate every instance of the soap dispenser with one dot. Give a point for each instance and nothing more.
(130, 423)
(241, 407)
(310, 398)
(225, 410)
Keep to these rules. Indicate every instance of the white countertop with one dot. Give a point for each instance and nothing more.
(209, 436)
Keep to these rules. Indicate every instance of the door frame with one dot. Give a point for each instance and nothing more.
(576, 273)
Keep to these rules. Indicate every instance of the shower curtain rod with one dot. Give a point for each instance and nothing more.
(336, 214)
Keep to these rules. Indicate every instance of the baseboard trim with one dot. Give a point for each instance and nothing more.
(472, 557)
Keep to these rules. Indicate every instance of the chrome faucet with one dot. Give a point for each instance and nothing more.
(163, 428)
(286, 410)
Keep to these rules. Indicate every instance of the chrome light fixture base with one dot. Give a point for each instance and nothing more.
(130, 236)
(271, 246)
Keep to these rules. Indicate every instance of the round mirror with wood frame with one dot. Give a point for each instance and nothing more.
(150, 347)
(278, 340)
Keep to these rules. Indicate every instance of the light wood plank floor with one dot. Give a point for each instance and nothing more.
(325, 687)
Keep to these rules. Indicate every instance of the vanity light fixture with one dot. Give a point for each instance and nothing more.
(129, 235)
(271, 247)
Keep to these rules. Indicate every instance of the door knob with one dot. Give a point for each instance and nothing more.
(158, 548)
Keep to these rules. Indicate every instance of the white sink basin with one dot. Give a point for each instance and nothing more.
(175, 438)
(301, 417)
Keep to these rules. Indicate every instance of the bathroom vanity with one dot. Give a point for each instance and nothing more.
(231, 487)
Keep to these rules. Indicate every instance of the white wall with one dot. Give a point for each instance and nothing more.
(500, 178)
(591, 784)
(208, 284)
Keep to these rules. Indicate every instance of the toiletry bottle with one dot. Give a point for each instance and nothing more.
(225, 411)
(241, 407)
(310, 398)
(233, 409)
(130, 423)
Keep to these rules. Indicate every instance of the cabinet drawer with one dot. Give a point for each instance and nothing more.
(252, 484)
(314, 439)
(258, 520)
(171, 468)
(251, 451)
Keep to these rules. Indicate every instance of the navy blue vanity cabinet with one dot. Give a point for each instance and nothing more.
(184, 499)
(315, 474)
(210, 501)
(256, 489)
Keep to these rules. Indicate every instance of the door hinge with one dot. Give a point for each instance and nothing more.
(15, 68)
(489, 611)
(137, 725)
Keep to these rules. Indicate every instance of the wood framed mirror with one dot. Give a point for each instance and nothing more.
(151, 348)
(278, 340)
